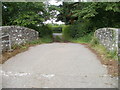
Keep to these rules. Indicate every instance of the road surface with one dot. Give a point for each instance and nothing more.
(57, 35)
(56, 65)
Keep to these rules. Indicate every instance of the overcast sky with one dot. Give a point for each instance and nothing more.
(54, 2)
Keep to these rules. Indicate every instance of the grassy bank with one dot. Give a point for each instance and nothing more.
(94, 44)
(86, 39)
(108, 58)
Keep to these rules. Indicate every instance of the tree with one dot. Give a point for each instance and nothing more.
(84, 18)
(29, 14)
(101, 14)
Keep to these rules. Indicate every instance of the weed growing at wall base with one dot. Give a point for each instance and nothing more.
(106, 57)
(94, 44)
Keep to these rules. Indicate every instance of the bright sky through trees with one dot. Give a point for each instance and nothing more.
(53, 21)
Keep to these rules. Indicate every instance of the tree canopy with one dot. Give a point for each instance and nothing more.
(27, 14)
(105, 13)
(85, 17)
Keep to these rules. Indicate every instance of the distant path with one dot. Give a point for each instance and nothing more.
(56, 65)
(57, 34)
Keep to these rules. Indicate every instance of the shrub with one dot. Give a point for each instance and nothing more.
(80, 29)
(85, 39)
(66, 32)
(57, 29)
(44, 31)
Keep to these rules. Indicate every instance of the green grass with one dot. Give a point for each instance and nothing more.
(18, 46)
(94, 44)
(42, 40)
(84, 39)
(103, 51)
(32, 43)
(46, 40)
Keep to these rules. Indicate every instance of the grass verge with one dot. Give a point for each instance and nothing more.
(107, 58)
(84, 40)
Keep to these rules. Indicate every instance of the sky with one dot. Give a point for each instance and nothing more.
(54, 2)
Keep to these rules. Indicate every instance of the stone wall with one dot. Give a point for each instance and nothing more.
(108, 37)
(16, 35)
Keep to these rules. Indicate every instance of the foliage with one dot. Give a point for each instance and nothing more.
(40, 41)
(57, 29)
(91, 10)
(66, 32)
(44, 31)
(86, 39)
(94, 41)
(26, 14)
(80, 29)
(77, 30)
(46, 39)
(92, 14)
(112, 54)
(35, 42)
(53, 10)
(17, 46)
(102, 50)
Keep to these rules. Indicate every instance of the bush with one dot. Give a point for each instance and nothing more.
(85, 39)
(66, 32)
(80, 29)
(46, 39)
(57, 29)
(44, 31)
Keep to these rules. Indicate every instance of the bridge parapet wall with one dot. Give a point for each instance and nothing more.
(109, 37)
(17, 35)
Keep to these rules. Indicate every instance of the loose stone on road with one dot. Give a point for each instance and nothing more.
(56, 65)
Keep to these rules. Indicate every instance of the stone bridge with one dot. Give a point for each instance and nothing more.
(12, 35)
(110, 38)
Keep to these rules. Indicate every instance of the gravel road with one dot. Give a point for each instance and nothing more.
(56, 65)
